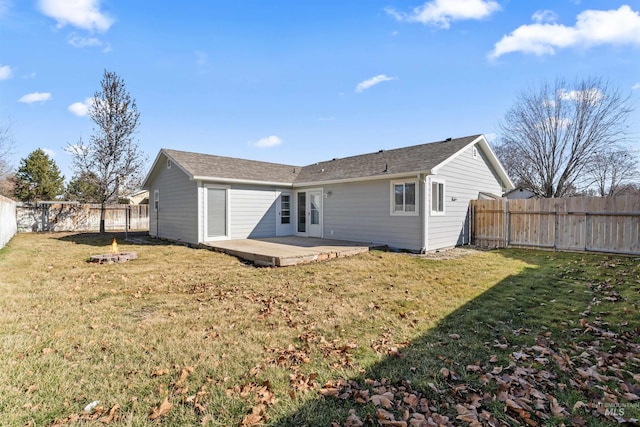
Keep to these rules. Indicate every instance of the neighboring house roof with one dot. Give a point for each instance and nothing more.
(519, 193)
(423, 158)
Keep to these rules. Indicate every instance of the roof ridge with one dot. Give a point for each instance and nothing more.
(169, 150)
(470, 137)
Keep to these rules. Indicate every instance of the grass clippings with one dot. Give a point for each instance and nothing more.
(191, 337)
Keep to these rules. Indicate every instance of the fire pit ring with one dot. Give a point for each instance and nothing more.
(112, 258)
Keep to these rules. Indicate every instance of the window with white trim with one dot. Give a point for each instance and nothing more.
(437, 197)
(404, 197)
(168, 163)
(156, 200)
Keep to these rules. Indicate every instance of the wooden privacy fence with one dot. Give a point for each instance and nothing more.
(598, 224)
(45, 216)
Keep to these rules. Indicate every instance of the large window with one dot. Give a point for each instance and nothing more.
(437, 197)
(404, 198)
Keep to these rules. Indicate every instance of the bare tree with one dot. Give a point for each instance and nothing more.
(552, 133)
(111, 155)
(612, 171)
(6, 149)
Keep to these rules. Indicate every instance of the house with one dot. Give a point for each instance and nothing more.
(138, 197)
(414, 198)
(519, 193)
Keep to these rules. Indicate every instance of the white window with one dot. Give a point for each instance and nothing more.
(168, 163)
(285, 209)
(437, 197)
(404, 197)
(156, 200)
(475, 152)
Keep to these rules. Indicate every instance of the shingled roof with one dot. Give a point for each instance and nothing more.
(417, 158)
(406, 160)
(206, 166)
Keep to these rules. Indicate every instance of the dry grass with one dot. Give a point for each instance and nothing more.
(213, 337)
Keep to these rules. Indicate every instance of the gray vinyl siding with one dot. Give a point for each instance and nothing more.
(361, 212)
(177, 218)
(252, 212)
(464, 178)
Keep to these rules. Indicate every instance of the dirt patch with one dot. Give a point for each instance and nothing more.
(451, 253)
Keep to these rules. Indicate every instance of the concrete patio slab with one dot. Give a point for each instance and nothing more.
(287, 250)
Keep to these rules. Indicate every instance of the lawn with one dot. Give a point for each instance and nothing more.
(182, 336)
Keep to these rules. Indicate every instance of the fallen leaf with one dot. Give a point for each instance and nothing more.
(159, 372)
(111, 416)
(252, 420)
(380, 400)
(161, 410)
(444, 372)
(183, 375)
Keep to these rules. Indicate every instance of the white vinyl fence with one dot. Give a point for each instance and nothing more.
(8, 224)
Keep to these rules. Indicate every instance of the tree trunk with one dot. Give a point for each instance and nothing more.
(102, 214)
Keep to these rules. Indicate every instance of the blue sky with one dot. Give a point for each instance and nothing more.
(300, 81)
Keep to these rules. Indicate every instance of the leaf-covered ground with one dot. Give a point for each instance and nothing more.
(191, 337)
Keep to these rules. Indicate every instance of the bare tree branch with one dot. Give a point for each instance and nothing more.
(6, 149)
(554, 132)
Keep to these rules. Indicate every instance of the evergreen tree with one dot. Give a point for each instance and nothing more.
(38, 178)
(83, 188)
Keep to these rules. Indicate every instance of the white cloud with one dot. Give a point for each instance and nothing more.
(593, 28)
(372, 82)
(542, 16)
(49, 152)
(78, 41)
(80, 109)
(635, 86)
(85, 14)
(491, 137)
(5, 6)
(5, 72)
(35, 97)
(593, 96)
(441, 12)
(267, 142)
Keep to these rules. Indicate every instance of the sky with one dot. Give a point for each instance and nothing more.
(298, 82)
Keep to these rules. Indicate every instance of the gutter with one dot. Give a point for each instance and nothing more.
(360, 179)
(240, 181)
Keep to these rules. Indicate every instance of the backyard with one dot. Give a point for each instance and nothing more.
(183, 336)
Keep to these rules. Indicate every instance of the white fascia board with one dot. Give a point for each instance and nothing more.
(360, 179)
(240, 181)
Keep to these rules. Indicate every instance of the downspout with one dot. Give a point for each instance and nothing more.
(423, 208)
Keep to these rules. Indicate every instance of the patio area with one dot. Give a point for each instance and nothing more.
(287, 250)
